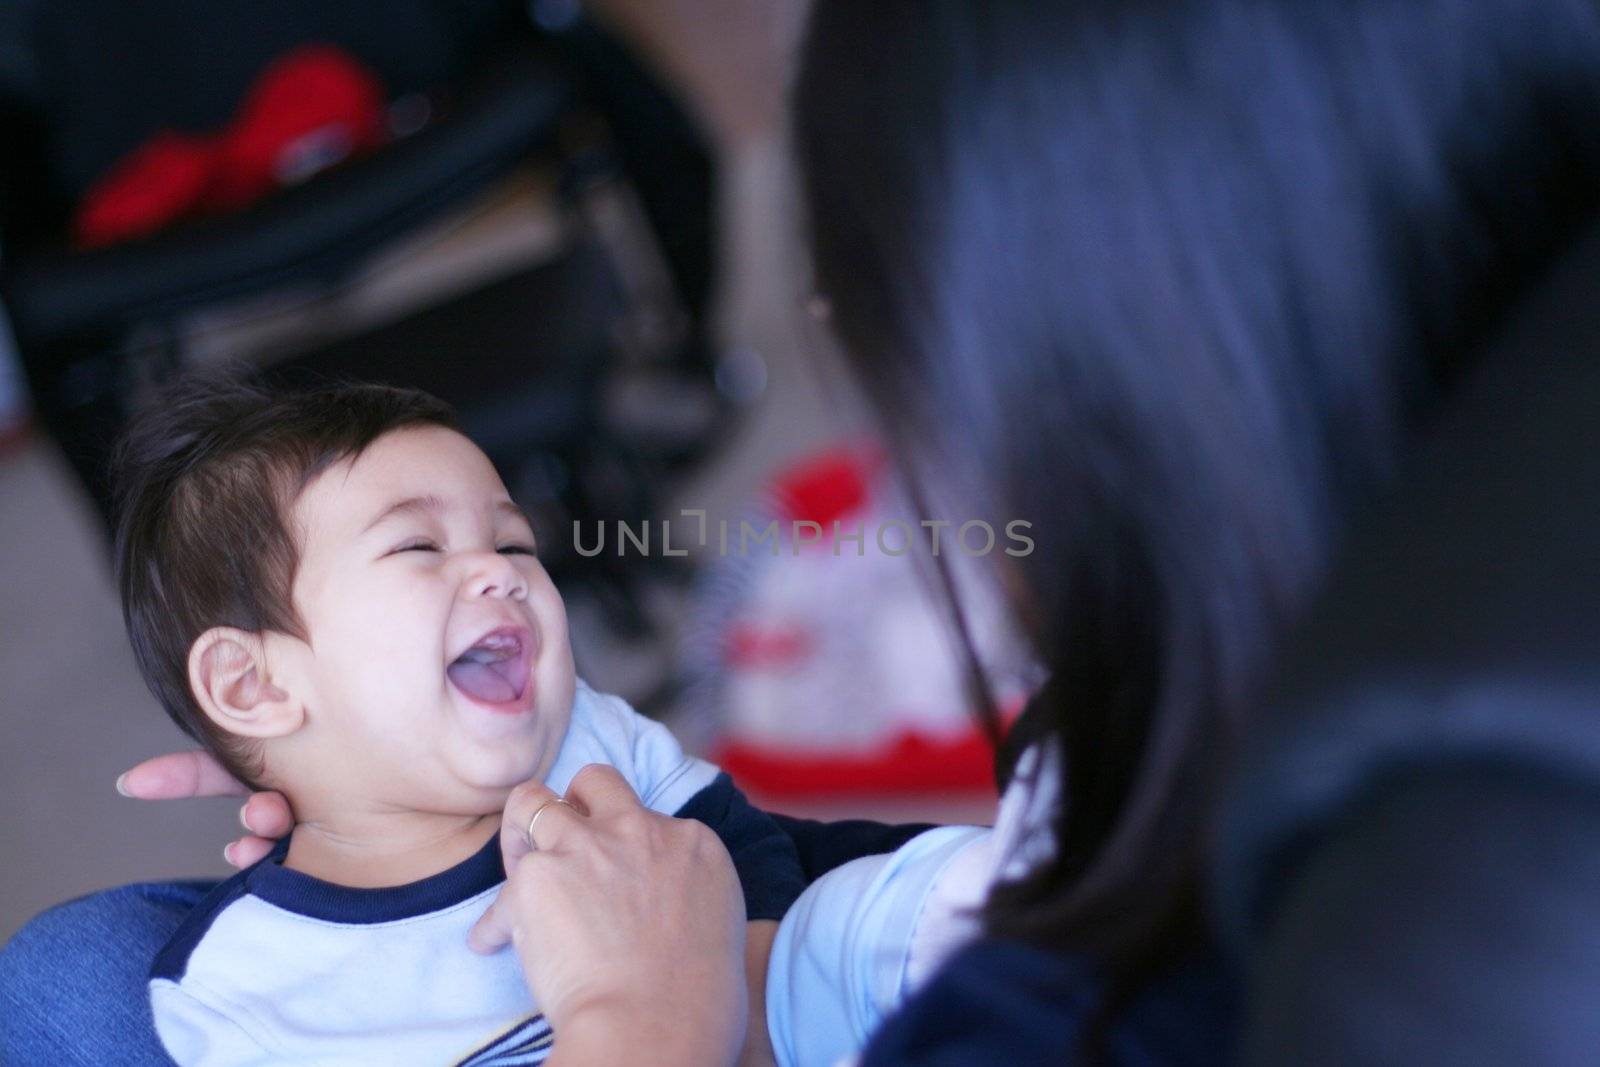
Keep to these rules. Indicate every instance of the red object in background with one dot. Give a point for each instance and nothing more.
(911, 763)
(748, 646)
(161, 182)
(309, 109)
(829, 485)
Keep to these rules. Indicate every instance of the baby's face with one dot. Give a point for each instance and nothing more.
(437, 672)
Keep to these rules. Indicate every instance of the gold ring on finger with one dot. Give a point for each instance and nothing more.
(540, 811)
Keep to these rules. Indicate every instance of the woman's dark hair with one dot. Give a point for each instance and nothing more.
(206, 479)
(1174, 281)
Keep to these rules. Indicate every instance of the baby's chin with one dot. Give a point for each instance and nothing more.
(495, 773)
(486, 798)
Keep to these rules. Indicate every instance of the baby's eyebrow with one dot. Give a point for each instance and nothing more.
(506, 507)
(425, 504)
(432, 505)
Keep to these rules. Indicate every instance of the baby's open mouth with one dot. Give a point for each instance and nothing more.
(495, 669)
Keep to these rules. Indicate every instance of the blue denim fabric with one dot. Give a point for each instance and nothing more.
(73, 980)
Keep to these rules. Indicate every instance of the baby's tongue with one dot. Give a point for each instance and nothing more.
(482, 681)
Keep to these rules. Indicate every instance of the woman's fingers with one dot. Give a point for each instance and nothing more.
(267, 815)
(599, 790)
(184, 775)
(247, 850)
(524, 800)
(594, 785)
(495, 928)
(492, 931)
(179, 776)
(595, 790)
(671, 907)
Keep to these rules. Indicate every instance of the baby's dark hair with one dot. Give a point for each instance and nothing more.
(205, 479)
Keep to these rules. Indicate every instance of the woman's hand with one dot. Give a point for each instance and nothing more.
(182, 775)
(629, 924)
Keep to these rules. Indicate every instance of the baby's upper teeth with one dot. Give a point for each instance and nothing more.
(491, 648)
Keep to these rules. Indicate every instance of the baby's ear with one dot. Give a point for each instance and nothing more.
(229, 677)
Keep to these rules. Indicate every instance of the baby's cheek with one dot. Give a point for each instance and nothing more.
(382, 643)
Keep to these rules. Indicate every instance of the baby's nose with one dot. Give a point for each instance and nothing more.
(497, 576)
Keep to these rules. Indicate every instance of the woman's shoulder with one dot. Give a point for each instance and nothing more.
(1007, 1003)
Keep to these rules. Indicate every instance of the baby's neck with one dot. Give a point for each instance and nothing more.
(376, 850)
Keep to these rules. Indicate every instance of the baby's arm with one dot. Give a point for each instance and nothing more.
(759, 936)
(863, 935)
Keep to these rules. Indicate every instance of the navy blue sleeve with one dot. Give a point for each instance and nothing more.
(999, 1002)
(822, 846)
(765, 857)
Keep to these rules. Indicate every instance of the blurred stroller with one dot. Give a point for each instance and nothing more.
(524, 227)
